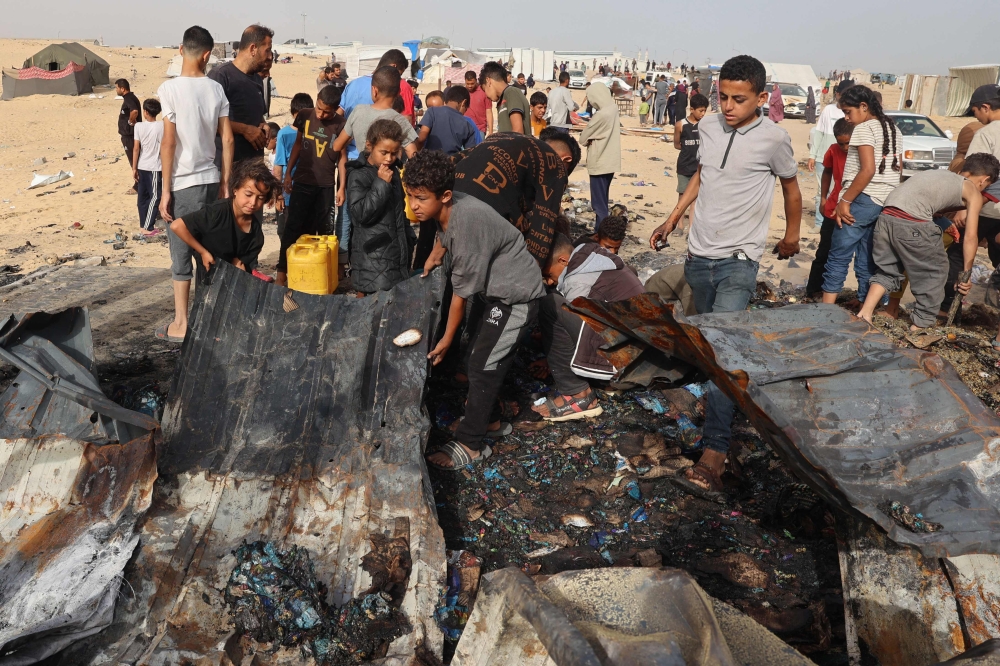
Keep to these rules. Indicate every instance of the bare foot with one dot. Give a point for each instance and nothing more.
(443, 460)
(176, 330)
(715, 461)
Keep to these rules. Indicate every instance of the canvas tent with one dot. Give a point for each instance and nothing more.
(964, 81)
(802, 75)
(930, 93)
(73, 80)
(55, 57)
(174, 67)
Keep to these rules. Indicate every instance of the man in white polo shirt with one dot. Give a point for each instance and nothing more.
(740, 156)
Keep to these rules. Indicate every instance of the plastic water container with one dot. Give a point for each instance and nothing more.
(309, 268)
(332, 244)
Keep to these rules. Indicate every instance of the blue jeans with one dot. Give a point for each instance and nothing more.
(720, 285)
(344, 235)
(853, 240)
(818, 221)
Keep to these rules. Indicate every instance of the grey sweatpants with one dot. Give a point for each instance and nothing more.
(900, 245)
(186, 201)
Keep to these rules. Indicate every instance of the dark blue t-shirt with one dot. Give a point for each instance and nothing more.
(450, 131)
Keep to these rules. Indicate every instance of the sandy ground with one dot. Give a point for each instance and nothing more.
(52, 126)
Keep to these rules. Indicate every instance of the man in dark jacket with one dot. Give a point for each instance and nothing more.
(571, 345)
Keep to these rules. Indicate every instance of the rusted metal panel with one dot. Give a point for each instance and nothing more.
(304, 428)
(74, 481)
(975, 580)
(862, 421)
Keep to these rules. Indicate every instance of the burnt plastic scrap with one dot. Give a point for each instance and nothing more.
(864, 422)
(76, 474)
(301, 427)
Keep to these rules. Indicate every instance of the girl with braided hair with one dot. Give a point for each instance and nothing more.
(872, 171)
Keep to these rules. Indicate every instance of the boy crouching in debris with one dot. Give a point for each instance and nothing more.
(591, 271)
(489, 260)
(908, 239)
(227, 229)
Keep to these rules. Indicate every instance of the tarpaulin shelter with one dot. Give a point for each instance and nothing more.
(964, 81)
(55, 57)
(930, 93)
(802, 75)
(73, 80)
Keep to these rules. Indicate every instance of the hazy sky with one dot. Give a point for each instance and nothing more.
(922, 36)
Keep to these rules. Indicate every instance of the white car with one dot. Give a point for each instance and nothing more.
(793, 97)
(577, 78)
(925, 146)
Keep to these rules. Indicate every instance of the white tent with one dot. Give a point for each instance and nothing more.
(964, 81)
(802, 75)
(174, 66)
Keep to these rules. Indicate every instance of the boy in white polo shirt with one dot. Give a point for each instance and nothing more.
(740, 156)
(195, 109)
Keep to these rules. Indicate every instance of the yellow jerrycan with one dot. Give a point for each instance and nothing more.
(333, 246)
(309, 268)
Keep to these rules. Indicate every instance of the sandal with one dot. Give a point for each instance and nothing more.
(995, 344)
(162, 334)
(572, 408)
(706, 474)
(460, 458)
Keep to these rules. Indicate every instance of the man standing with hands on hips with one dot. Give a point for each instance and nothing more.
(740, 156)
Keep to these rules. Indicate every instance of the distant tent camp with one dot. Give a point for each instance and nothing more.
(964, 81)
(174, 67)
(56, 57)
(74, 79)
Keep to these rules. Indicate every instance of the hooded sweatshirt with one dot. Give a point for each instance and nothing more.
(602, 135)
(595, 273)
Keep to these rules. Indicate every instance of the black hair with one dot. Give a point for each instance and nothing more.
(854, 97)
(457, 95)
(982, 164)
(493, 70)
(843, 127)
(255, 35)
(386, 81)
(393, 58)
(152, 107)
(432, 170)
(328, 70)
(197, 40)
(745, 68)
(382, 130)
(538, 98)
(330, 95)
(563, 77)
(301, 101)
(398, 105)
(123, 83)
(696, 101)
(520, 75)
(272, 130)
(554, 134)
(994, 103)
(561, 244)
(561, 225)
(434, 93)
(613, 227)
(470, 76)
(908, 103)
(255, 169)
(336, 65)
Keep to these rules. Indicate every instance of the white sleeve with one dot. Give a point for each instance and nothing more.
(167, 103)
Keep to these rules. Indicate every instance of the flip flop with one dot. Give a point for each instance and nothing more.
(460, 458)
(573, 409)
(704, 472)
(161, 333)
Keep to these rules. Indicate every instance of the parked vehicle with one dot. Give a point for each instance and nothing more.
(794, 98)
(577, 78)
(925, 145)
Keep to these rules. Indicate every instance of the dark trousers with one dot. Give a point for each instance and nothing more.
(600, 186)
(499, 331)
(815, 283)
(149, 186)
(425, 243)
(311, 211)
(989, 228)
(561, 331)
(128, 143)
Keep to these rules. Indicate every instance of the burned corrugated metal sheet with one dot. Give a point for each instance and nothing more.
(74, 480)
(304, 428)
(863, 421)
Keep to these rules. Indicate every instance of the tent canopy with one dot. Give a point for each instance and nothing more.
(56, 57)
(802, 75)
(73, 80)
(964, 81)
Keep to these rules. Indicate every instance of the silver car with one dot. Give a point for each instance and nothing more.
(925, 145)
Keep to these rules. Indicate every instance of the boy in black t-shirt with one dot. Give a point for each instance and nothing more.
(228, 229)
(686, 140)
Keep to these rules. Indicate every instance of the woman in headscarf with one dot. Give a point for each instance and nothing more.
(811, 107)
(713, 97)
(776, 105)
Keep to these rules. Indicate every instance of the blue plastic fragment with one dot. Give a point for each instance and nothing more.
(639, 515)
(697, 390)
(632, 488)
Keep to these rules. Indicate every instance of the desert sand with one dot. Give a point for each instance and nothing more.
(52, 126)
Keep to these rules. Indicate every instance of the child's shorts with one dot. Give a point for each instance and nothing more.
(682, 183)
(642, 118)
